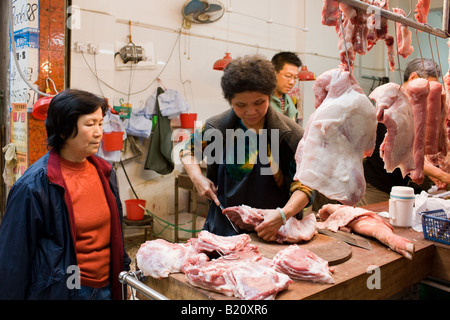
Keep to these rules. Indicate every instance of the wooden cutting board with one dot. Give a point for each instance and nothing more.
(330, 249)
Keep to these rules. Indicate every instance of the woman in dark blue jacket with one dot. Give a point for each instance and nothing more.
(40, 234)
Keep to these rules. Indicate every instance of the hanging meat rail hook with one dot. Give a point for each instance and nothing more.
(420, 50)
(398, 58)
(410, 9)
(345, 43)
(432, 56)
(440, 65)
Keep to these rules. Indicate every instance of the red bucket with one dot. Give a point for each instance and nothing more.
(134, 211)
(187, 120)
(113, 141)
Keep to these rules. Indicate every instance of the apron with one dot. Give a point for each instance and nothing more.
(255, 190)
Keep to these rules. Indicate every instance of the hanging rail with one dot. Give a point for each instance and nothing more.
(397, 18)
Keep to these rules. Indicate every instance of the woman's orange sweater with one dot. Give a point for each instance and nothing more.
(92, 221)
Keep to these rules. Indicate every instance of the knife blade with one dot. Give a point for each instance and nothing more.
(232, 224)
(349, 238)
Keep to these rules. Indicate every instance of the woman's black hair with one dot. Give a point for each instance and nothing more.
(249, 73)
(63, 113)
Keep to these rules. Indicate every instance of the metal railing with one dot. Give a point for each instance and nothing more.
(131, 278)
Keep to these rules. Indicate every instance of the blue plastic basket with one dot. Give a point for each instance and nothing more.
(436, 226)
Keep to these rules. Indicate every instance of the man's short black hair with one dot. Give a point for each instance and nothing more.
(63, 113)
(282, 58)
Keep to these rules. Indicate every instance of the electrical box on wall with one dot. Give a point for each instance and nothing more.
(139, 56)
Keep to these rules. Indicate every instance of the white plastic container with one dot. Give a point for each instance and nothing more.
(401, 206)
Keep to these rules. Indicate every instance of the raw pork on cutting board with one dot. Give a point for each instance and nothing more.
(159, 258)
(364, 222)
(294, 231)
(302, 264)
(246, 275)
(209, 242)
(394, 110)
(338, 135)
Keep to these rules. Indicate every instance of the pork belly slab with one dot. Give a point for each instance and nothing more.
(209, 242)
(302, 264)
(246, 275)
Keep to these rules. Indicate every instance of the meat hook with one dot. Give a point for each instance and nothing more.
(440, 65)
(345, 43)
(398, 58)
(410, 9)
(432, 56)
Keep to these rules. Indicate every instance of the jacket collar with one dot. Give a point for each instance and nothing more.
(54, 167)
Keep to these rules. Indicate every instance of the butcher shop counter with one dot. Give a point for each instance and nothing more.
(359, 273)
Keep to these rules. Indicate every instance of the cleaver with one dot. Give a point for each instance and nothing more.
(232, 224)
(349, 238)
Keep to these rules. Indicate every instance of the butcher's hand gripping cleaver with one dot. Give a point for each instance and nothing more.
(349, 238)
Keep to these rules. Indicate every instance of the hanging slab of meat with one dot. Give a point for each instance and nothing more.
(447, 93)
(434, 113)
(330, 13)
(294, 231)
(246, 275)
(447, 84)
(443, 134)
(209, 242)
(364, 222)
(405, 49)
(418, 90)
(378, 30)
(359, 30)
(338, 135)
(442, 159)
(422, 9)
(394, 110)
(159, 258)
(302, 264)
